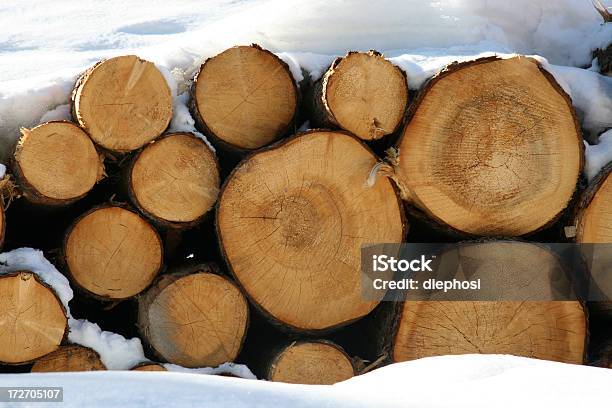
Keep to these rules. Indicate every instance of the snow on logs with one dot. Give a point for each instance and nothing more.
(69, 358)
(492, 147)
(122, 103)
(174, 181)
(56, 163)
(546, 329)
(112, 253)
(291, 221)
(362, 93)
(194, 317)
(33, 321)
(244, 98)
(310, 362)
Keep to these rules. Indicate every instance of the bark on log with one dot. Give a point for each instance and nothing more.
(245, 98)
(69, 358)
(492, 148)
(112, 253)
(56, 163)
(122, 103)
(148, 367)
(194, 317)
(310, 362)
(604, 60)
(291, 221)
(34, 321)
(593, 225)
(362, 93)
(551, 330)
(174, 181)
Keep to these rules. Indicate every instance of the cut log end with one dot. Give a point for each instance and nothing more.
(513, 271)
(123, 103)
(34, 321)
(594, 220)
(594, 226)
(195, 319)
(69, 358)
(175, 179)
(149, 367)
(292, 221)
(113, 253)
(311, 363)
(365, 94)
(516, 154)
(245, 97)
(56, 163)
(545, 330)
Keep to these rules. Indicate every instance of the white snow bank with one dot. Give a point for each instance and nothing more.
(485, 381)
(450, 381)
(44, 49)
(239, 370)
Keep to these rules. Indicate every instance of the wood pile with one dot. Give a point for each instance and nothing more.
(259, 262)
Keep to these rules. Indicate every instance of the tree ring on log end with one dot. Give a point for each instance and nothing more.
(113, 253)
(245, 97)
(175, 178)
(492, 148)
(366, 95)
(311, 362)
(56, 162)
(292, 220)
(34, 321)
(195, 320)
(539, 328)
(123, 103)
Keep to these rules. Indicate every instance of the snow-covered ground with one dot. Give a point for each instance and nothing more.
(45, 44)
(470, 381)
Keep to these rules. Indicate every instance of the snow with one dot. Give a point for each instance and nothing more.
(472, 381)
(239, 370)
(116, 352)
(597, 156)
(41, 54)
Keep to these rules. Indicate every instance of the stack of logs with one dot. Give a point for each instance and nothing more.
(251, 252)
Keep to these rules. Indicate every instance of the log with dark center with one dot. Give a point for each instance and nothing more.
(492, 148)
(291, 221)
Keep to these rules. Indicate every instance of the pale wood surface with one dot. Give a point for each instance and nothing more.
(32, 319)
(292, 221)
(245, 96)
(492, 148)
(113, 253)
(123, 103)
